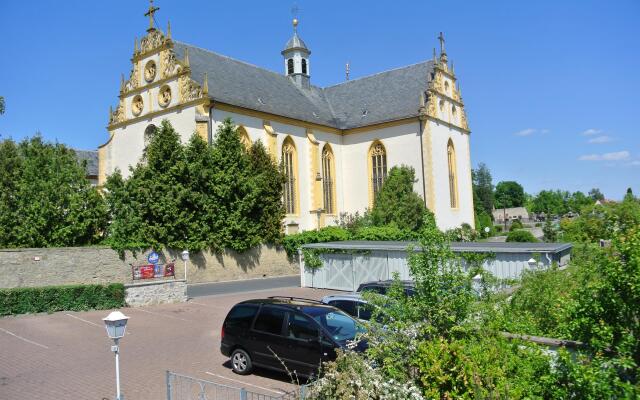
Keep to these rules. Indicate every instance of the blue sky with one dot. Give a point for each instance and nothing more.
(551, 87)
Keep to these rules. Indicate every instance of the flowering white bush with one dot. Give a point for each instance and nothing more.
(351, 377)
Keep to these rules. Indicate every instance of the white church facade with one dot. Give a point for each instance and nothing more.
(337, 143)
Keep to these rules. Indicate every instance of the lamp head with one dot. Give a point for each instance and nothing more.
(185, 255)
(116, 324)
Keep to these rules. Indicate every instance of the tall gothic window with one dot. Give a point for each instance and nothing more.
(304, 66)
(378, 172)
(453, 175)
(289, 161)
(328, 180)
(290, 66)
(244, 137)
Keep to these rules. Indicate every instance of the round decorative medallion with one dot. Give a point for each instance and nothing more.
(137, 105)
(150, 71)
(164, 96)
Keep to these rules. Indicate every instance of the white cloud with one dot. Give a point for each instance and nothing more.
(526, 132)
(545, 131)
(600, 139)
(615, 156)
(591, 132)
(634, 163)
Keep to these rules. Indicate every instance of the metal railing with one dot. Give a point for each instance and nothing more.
(183, 387)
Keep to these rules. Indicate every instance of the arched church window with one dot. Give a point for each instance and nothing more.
(289, 162)
(328, 180)
(378, 168)
(149, 131)
(453, 175)
(244, 137)
(290, 66)
(304, 66)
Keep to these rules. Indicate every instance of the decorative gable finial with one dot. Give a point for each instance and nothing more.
(452, 71)
(443, 53)
(186, 57)
(169, 30)
(121, 82)
(135, 45)
(435, 61)
(205, 84)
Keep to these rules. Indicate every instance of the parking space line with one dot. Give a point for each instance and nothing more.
(24, 339)
(83, 320)
(243, 383)
(206, 305)
(163, 315)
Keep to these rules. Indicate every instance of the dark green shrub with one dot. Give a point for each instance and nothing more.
(521, 236)
(292, 243)
(384, 233)
(61, 298)
(516, 224)
(538, 224)
(497, 228)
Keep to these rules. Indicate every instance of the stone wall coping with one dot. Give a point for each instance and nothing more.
(44, 249)
(153, 283)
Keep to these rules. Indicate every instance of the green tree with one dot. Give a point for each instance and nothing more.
(550, 233)
(397, 203)
(509, 194)
(45, 197)
(577, 201)
(629, 195)
(482, 189)
(596, 194)
(550, 202)
(267, 180)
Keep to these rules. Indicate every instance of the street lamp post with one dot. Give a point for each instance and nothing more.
(185, 258)
(116, 324)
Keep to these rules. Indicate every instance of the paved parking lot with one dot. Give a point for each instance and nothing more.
(67, 355)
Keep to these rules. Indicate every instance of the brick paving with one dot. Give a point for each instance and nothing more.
(67, 355)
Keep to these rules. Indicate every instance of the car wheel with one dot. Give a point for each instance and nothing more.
(241, 362)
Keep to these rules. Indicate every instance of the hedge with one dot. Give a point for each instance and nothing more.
(521, 236)
(61, 298)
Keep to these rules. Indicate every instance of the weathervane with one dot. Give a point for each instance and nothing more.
(294, 14)
(152, 10)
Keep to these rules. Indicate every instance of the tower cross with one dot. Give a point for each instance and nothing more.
(441, 38)
(152, 10)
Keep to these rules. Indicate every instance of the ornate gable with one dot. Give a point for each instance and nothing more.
(155, 68)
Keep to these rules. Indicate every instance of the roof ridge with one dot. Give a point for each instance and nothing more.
(378, 73)
(227, 57)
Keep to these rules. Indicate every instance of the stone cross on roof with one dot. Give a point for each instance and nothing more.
(152, 10)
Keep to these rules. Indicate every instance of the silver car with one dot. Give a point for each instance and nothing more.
(352, 304)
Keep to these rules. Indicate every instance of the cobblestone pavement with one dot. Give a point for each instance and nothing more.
(66, 355)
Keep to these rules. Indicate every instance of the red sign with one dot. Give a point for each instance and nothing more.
(150, 271)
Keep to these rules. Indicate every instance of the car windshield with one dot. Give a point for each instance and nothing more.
(340, 326)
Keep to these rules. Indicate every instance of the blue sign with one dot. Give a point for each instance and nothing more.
(153, 258)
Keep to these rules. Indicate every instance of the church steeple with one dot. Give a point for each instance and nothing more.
(296, 58)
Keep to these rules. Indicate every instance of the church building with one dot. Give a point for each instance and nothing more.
(337, 143)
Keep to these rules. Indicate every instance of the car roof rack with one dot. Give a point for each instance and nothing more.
(292, 298)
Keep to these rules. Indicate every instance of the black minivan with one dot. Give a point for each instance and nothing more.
(300, 333)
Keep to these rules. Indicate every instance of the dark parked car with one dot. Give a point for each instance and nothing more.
(381, 287)
(300, 333)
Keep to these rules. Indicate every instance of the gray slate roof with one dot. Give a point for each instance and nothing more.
(387, 96)
(459, 247)
(92, 160)
(295, 43)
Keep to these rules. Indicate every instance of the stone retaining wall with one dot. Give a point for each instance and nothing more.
(83, 265)
(155, 292)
